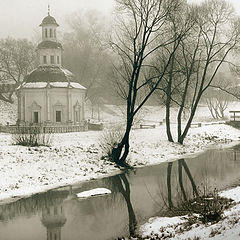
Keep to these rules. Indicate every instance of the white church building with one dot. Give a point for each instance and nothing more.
(50, 95)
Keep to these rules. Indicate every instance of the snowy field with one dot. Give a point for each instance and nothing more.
(75, 157)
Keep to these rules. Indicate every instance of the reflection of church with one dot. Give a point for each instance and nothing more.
(50, 94)
(53, 219)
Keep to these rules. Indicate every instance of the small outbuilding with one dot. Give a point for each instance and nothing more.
(50, 95)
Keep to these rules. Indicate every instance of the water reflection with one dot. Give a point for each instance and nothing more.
(136, 196)
(53, 219)
(181, 165)
(123, 186)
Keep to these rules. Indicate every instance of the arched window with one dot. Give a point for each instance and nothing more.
(50, 32)
(45, 32)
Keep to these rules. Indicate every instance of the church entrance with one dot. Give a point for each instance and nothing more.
(35, 117)
(58, 116)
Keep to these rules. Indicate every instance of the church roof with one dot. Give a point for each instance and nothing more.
(51, 76)
(49, 44)
(50, 73)
(49, 20)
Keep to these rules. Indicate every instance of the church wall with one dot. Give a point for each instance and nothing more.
(70, 102)
(34, 101)
(58, 102)
(78, 96)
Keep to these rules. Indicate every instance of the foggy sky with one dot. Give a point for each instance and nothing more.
(21, 18)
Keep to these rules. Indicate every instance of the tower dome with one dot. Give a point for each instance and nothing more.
(49, 20)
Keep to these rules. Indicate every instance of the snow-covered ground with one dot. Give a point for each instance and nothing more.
(75, 157)
(173, 228)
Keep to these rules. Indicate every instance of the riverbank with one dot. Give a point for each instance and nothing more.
(177, 228)
(75, 157)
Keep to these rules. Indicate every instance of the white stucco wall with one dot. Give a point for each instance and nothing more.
(60, 99)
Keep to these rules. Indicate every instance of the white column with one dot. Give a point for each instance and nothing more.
(19, 106)
(48, 105)
(83, 110)
(23, 107)
(69, 106)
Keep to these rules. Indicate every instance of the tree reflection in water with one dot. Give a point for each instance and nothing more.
(181, 165)
(121, 183)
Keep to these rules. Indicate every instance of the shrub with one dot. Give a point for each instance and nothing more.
(31, 136)
(110, 139)
(208, 205)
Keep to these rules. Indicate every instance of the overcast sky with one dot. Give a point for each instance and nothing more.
(21, 18)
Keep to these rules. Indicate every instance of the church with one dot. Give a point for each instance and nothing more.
(50, 95)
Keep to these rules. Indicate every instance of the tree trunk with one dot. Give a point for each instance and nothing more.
(188, 125)
(119, 154)
(168, 103)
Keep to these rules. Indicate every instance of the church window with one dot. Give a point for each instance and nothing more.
(58, 61)
(55, 210)
(35, 117)
(45, 59)
(50, 32)
(58, 116)
(46, 33)
(52, 59)
(48, 211)
(54, 32)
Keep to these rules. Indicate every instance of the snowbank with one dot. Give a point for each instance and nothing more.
(227, 228)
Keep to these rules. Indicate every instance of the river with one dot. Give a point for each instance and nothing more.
(136, 196)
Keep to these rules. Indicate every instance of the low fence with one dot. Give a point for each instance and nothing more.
(235, 115)
(43, 129)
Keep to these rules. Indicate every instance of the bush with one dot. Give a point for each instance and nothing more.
(31, 136)
(110, 139)
(208, 205)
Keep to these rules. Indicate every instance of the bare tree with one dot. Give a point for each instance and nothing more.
(144, 27)
(86, 54)
(17, 58)
(213, 37)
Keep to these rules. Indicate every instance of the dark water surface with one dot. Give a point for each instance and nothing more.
(136, 196)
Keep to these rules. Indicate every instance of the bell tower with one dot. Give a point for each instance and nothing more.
(49, 50)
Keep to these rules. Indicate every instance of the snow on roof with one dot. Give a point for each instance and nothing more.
(52, 84)
(59, 84)
(34, 85)
(76, 85)
(66, 72)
